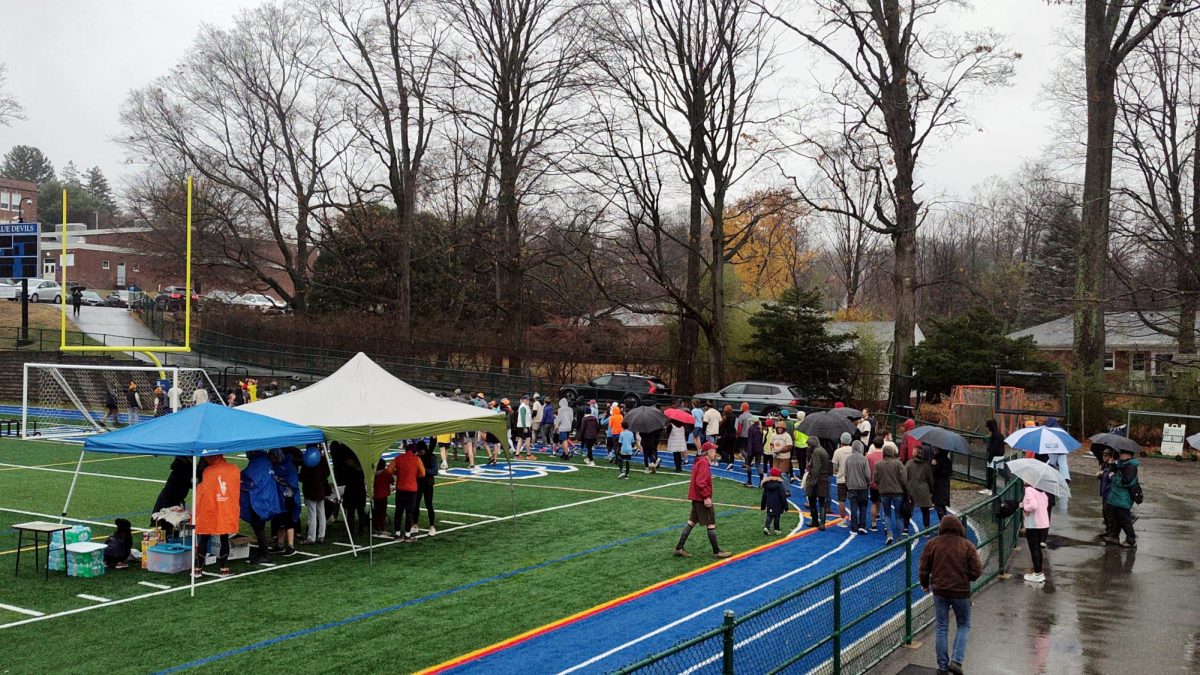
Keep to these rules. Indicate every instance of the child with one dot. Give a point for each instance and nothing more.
(383, 490)
(616, 426)
(625, 443)
(1036, 506)
(118, 546)
(1108, 467)
(443, 444)
(775, 494)
(589, 431)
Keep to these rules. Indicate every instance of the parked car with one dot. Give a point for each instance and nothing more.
(764, 397)
(629, 388)
(10, 289)
(220, 296)
(122, 298)
(44, 291)
(92, 299)
(263, 303)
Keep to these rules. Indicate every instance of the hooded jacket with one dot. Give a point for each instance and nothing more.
(910, 445)
(259, 496)
(589, 428)
(889, 474)
(995, 441)
(950, 562)
(858, 469)
(918, 477)
(775, 494)
(1125, 477)
(218, 498)
(819, 471)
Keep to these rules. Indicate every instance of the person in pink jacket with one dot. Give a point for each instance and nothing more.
(1036, 506)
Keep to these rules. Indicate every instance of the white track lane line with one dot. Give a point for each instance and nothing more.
(21, 610)
(269, 567)
(717, 605)
(93, 598)
(83, 473)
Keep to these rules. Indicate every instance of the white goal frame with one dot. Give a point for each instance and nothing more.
(171, 372)
(1132, 414)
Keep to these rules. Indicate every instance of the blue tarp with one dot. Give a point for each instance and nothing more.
(203, 430)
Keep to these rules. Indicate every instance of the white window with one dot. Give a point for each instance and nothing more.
(1110, 361)
(4, 201)
(104, 264)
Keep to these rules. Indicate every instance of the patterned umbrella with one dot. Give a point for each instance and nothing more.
(1041, 440)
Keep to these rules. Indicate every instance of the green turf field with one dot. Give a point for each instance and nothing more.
(577, 539)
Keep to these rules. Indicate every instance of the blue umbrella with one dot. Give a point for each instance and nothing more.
(1042, 440)
(940, 438)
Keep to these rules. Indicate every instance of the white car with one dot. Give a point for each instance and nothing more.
(262, 302)
(44, 291)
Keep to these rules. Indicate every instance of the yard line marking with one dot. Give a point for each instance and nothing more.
(311, 555)
(151, 584)
(211, 574)
(73, 520)
(717, 605)
(82, 473)
(270, 567)
(93, 598)
(462, 513)
(21, 610)
(447, 522)
(342, 543)
(17, 467)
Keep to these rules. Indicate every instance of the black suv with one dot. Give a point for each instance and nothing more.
(631, 389)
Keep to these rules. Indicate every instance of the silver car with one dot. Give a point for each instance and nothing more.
(764, 397)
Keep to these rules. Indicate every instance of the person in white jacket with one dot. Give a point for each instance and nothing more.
(562, 425)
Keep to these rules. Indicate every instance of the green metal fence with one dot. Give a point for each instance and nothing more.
(970, 467)
(874, 606)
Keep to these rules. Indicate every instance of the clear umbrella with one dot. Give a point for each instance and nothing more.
(1041, 476)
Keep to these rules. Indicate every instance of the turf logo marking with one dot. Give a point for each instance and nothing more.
(520, 471)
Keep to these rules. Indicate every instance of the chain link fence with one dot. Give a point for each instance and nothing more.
(846, 622)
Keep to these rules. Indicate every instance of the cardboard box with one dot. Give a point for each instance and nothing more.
(239, 548)
(151, 538)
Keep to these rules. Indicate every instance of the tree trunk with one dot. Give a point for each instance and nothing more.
(510, 290)
(716, 346)
(689, 329)
(406, 189)
(1088, 357)
(904, 285)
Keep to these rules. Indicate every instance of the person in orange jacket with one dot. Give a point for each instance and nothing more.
(616, 424)
(407, 468)
(217, 510)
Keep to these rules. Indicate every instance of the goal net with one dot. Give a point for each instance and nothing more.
(63, 400)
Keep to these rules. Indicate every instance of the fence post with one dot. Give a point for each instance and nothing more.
(727, 649)
(1003, 550)
(837, 624)
(908, 632)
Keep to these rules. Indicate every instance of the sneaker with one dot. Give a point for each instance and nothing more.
(748, 484)
(1129, 544)
(306, 542)
(623, 476)
(1044, 545)
(955, 668)
(276, 548)
(722, 554)
(874, 529)
(288, 552)
(408, 540)
(445, 466)
(432, 530)
(590, 463)
(680, 553)
(777, 533)
(888, 542)
(258, 560)
(1036, 578)
(903, 533)
(1111, 541)
(197, 573)
(766, 531)
(226, 572)
(121, 566)
(646, 470)
(862, 530)
(843, 524)
(400, 535)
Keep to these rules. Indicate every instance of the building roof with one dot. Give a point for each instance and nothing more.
(882, 331)
(1122, 331)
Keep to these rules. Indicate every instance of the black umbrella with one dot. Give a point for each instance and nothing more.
(826, 425)
(645, 419)
(848, 413)
(940, 438)
(1114, 441)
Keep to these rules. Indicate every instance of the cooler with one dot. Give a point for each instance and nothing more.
(169, 558)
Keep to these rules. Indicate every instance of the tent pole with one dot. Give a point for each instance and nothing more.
(512, 494)
(340, 501)
(71, 490)
(191, 573)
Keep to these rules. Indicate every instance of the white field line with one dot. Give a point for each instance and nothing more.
(703, 610)
(93, 598)
(307, 553)
(451, 522)
(790, 618)
(392, 506)
(151, 584)
(268, 567)
(73, 520)
(21, 610)
(83, 473)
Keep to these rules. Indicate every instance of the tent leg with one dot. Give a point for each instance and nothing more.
(191, 572)
(512, 494)
(71, 490)
(341, 502)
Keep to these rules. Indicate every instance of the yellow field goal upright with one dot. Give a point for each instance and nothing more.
(149, 351)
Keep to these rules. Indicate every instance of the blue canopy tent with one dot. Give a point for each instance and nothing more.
(202, 431)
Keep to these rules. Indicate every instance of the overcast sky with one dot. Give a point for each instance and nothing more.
(83, 56)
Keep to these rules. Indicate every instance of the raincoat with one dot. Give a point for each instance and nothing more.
(918, 476)
(218, 498)
(820, 469)
(259, 496)
(1125, 477)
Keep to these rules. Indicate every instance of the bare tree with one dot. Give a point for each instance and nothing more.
(902, 81)
(685, 79)
(246, 114)
(11, 109)
(511, 80)
(853, 245)
(1112, 30)
(384, 68)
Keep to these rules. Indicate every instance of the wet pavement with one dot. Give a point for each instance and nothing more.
(1103, 609)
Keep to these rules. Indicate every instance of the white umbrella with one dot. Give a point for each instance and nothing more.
(1041, 440)
(1040, 475)
(1194, 441)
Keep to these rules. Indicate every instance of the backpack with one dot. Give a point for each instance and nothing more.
(1135, 493)
(1005, 508)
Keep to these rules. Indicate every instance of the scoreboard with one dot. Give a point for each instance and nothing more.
(19, 257)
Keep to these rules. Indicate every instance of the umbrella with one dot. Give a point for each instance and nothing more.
(848, 413)
(1042, 440)
(1115, 442)
(827, 425)
(1040, 475)
(680, 416)
(645, 419)
(940, 438)
(1194, 441)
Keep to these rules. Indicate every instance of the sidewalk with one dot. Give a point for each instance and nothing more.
(1103, 609)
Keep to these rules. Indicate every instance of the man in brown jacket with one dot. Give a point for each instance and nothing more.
(948, 565)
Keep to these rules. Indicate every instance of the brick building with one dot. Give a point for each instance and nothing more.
(119, 257)
(18, 201)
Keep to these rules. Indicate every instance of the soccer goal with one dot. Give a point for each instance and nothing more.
(64, 400)
(1162, 431)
